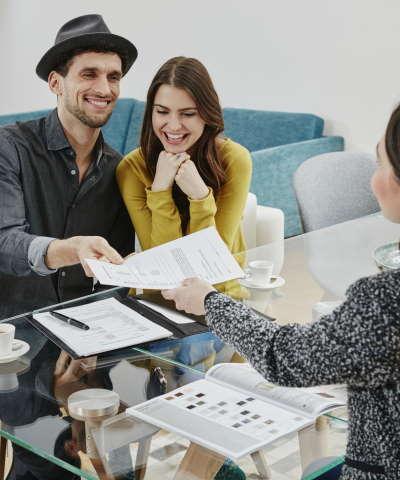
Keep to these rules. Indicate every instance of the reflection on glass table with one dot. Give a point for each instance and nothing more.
(50, 442)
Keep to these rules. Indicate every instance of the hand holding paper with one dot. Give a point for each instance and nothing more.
(202, 254)
(190, 296)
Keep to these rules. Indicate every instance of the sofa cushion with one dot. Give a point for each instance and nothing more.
(257, 129)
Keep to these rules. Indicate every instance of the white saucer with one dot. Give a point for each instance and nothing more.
(19, 348)
(275, 282)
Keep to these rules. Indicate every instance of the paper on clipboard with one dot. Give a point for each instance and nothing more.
(112, 326)
(202, 254)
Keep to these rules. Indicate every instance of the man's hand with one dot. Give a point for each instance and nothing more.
(63, 253)
(68, 370)
(167, 167)
(68, 375)
(190, 182)
(190, 296)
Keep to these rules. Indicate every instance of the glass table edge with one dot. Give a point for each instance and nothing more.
(325, 468)
(51, 458)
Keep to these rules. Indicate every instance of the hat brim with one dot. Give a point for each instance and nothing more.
(107, 41)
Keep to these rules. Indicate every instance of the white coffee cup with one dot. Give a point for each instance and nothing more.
(7, 332)
(260, 272)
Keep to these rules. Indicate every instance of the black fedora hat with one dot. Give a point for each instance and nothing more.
(87, 31)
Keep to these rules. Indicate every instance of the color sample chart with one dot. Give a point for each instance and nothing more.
(220, 418)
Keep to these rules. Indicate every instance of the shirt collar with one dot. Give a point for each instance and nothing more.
(56, 139)
(55, 136)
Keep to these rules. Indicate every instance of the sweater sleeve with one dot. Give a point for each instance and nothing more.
(154, 214)
(226, 211)
(358, 344)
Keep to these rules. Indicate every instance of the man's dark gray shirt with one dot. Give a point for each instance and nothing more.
(40, 195)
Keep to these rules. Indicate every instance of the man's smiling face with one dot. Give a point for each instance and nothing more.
(91, 87)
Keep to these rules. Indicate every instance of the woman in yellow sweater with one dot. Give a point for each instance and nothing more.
(186, 175)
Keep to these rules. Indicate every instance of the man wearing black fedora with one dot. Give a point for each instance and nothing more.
(59, 200)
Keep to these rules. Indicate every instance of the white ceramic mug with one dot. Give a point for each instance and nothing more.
(7, 332)
(260, 272)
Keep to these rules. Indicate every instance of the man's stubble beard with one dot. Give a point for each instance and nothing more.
(85, 119)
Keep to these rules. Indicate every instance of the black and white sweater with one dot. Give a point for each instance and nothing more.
(358, 344)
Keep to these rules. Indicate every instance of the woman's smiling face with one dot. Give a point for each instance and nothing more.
(175, 119)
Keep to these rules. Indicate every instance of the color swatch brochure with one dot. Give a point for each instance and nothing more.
(234, 411)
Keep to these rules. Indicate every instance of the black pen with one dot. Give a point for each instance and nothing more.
(70, 321)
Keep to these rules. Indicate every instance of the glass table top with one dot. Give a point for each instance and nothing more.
(316, 269)
(50, 443)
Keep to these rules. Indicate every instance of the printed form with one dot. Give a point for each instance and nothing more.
(202, 254)
(112, 325)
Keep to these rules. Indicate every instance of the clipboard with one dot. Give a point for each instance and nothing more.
(178, 330)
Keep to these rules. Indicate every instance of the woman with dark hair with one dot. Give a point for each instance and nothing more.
(185, 176)
(357, 344)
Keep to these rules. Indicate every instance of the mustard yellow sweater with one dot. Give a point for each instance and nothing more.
(156, 218)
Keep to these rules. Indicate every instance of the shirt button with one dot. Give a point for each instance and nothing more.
(73, 172)
(63, 274)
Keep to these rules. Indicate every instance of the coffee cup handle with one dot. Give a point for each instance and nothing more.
(16, 346)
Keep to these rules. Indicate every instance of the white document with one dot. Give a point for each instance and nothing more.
(234, 411)
(202, 254)
(112, 325)
(167, 312)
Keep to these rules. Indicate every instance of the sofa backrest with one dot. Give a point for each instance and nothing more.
(122, 131)
(258, 129)
(21, 117)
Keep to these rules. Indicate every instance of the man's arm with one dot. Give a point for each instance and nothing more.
(16, 256)
(37, 252)
(15, 238)
(63, 253)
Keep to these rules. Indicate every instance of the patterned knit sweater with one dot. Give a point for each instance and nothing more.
(358, 344)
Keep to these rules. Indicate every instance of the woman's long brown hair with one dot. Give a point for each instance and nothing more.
(190, 75)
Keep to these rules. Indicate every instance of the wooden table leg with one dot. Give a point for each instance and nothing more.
(199, 463)
(313, 441)
(261, 464)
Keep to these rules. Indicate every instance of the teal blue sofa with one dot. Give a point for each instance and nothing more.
(278, 141)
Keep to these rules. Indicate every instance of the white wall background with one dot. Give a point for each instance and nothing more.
(338, 59)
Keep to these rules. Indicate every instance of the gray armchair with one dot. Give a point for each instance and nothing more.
(333, 188)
